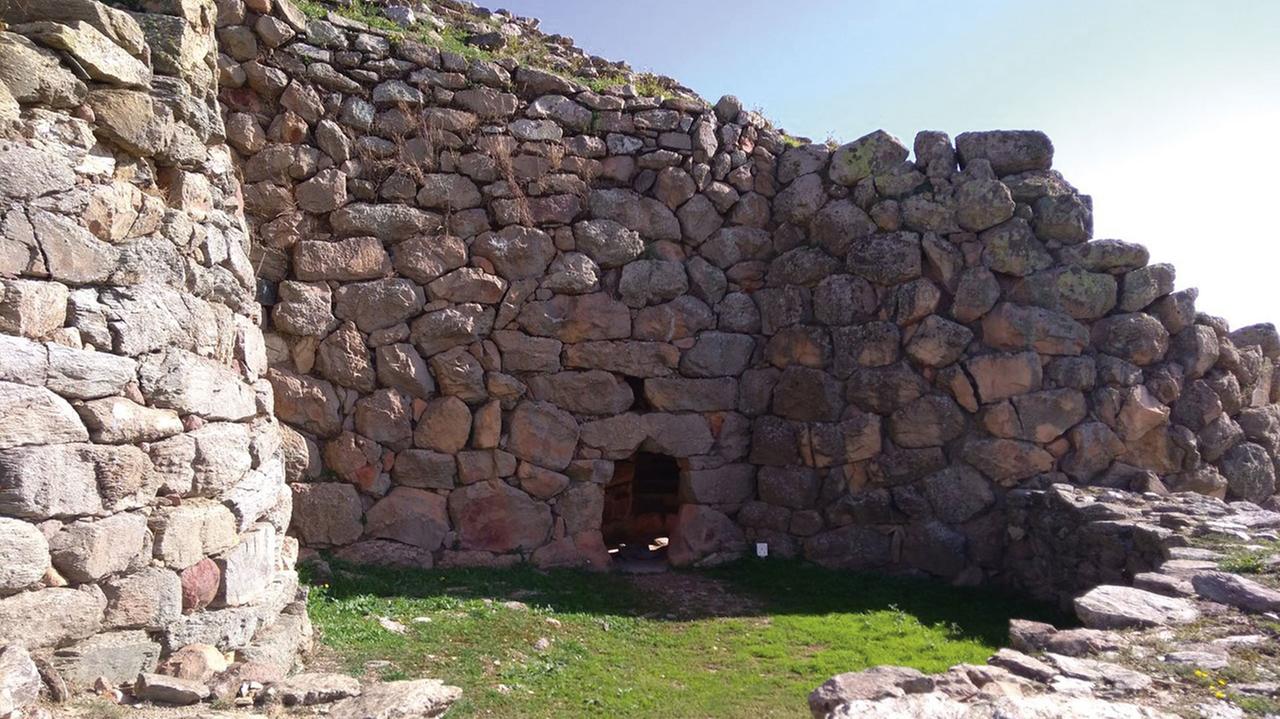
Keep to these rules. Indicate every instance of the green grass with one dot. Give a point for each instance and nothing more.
(617, 652)
(648, 85)
(312, 9)
(1249, 561)
(599, 84)
(1256, 706)
(452, 39)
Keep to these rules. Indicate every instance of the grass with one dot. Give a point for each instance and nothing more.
(619, 652)
(600, 84)
(1249, 561)
(452, 39)
(648, 85)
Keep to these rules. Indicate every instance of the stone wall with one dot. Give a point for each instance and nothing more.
(488, 283)
(142, 498)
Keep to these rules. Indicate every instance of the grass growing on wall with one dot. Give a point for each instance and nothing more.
(525, 51)
(615, 647)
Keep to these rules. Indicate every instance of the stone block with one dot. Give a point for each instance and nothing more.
(88, 550)
(117, 656)
(328, 514)
(247, 567)
(47, 617)
(34, 415)
(148, 599)
(24, 555)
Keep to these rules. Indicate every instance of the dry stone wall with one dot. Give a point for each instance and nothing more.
(142, 498)
(487, 284)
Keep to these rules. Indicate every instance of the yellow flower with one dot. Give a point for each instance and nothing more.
(1199, 673)
(1222, 682)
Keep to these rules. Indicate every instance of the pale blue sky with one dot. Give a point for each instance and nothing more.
(1167, 112)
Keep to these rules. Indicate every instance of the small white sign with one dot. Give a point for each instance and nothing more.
(762, 549)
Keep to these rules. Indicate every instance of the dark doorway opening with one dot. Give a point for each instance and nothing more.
(640, 504)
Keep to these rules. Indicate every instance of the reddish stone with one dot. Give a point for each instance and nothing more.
(496, 517)
(200, 585)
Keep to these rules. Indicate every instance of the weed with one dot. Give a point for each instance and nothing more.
(500, 153)
(1256, 706)
(649, 85)
(312, 9)
(1249, 561)
(603, 83)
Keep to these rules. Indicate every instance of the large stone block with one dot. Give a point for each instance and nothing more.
(101, 58)
(52, 481)
(34, 415)
(1015, 327)
(24, 555)
(577, 318)
(327, 514)
(30, 308)
(34, 74)
(543, 434)
(358, 258)
(88, 550)
(1008, 151)
(425, 469)
(117, 420)
(493, 516)
(731, 484)
(248, 567)
(148, 599)
(409, 516)
(703, 536)
(80, 374)
(669, 394)
(593, 392)
(306, 402)
(378, 304)
(191, 384)
(117, 656)
(189, 532)
(1001, 376)
(47, 617)
(20, 681)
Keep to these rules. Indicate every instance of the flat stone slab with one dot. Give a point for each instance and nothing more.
(315, 688)
(418, 699)
(169, 690)
(1116, 607)
(1235, 590)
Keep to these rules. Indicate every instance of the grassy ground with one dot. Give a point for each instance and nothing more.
(748, 640)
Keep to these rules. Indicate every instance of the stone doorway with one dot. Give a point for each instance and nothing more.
(640, 506)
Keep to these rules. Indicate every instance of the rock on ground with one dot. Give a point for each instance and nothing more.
(421, 698)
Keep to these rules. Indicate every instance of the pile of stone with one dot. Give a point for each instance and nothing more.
(1173, 633)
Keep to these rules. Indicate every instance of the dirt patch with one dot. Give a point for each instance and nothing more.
(683, 596)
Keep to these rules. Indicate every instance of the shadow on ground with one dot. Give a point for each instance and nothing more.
(750, 588)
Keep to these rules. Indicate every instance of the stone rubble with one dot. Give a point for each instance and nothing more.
(1176, 648)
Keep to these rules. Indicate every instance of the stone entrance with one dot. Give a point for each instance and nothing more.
(640, 505)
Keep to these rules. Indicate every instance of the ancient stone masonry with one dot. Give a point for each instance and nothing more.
(489, 284)
(142, 498)
(485, 295)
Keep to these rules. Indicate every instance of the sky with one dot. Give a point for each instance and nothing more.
(1167, 112)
